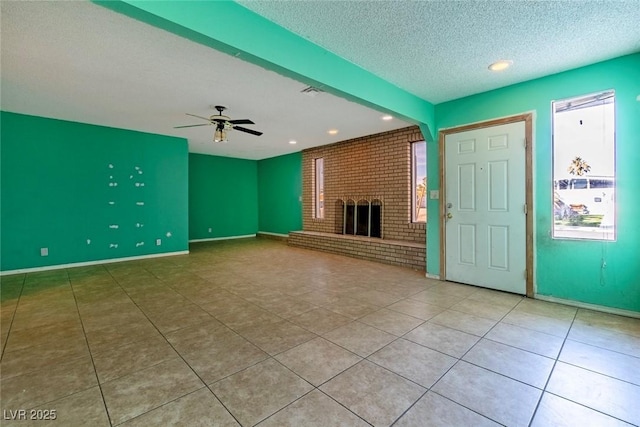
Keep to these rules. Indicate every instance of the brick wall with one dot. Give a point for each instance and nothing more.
(404, 254)
(376, 166)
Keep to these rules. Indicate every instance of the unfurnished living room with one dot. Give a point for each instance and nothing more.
(319, 213)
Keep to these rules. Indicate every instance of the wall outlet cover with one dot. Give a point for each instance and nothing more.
(158, 242)
(44, 251)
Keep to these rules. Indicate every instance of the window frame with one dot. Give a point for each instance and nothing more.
(318, 188)
(583, 182)
(414, 183)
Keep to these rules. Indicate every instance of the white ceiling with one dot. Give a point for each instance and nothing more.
(82, 62)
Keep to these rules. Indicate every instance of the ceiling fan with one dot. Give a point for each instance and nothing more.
(223, 124)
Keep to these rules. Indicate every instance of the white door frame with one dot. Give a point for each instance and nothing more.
(527, 118)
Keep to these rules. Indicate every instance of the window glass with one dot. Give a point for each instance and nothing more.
(319, 188)
(419, 181)
(584, 203)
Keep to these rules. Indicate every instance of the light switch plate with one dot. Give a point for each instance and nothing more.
(434, 194)
(44, 251)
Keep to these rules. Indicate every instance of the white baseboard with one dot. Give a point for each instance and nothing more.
(88, 263)
(268, 233)
(222, 238)
(595, 307)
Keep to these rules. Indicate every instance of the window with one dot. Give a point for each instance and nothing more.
(584, 204)
(419, 181)
(319, 188)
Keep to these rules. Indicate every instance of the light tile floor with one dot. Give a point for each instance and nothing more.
(254, 332)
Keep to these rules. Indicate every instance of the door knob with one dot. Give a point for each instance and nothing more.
(449, 215)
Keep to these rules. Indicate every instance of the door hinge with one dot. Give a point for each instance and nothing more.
(525, 274)
(525, 143)
(526, 210)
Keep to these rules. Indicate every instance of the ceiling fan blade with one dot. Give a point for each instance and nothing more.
(200, 117)
(190, 126)
(241, 122)
(251, 131)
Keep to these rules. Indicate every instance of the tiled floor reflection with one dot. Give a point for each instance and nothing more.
(253, 332)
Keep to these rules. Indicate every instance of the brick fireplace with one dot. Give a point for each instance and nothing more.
(367, 200)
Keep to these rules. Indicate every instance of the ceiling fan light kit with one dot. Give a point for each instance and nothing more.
(223, 124)
(220, 136)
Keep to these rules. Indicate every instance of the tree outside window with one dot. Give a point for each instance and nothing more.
(419, 181)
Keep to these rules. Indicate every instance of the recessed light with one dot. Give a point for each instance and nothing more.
(387, 118)
(332, 131)
(501, 65)
(293, 142)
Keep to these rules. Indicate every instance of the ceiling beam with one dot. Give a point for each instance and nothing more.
(231, 28)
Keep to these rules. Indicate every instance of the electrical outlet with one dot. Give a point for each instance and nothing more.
(158, 242)
(209, 229)
(44, 251)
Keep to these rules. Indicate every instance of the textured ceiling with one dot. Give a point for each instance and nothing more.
(440, 50)
(82, 62)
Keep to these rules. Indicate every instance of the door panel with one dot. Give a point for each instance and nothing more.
(498, 247)
(467, 187)
(485, 195)
(467, 244)
(498, 176)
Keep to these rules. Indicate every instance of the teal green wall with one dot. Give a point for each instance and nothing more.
(279, 192)
(564, 268)
(223, 196)
(55, 178)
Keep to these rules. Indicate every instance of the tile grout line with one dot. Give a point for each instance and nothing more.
(174, 349)
(460, 359)
(286, 367)
(198, 265)
(164, 404)
(258, 362)
(553, 368)
(205, 386)
(428, 389)
(84, 331)
(13, 316)
(41, 368)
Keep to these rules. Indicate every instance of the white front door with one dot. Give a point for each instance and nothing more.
(485, 196)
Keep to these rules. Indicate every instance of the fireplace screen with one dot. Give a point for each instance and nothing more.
(363, 218)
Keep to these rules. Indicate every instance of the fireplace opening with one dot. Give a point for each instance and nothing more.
(361, 219)
(349, 216)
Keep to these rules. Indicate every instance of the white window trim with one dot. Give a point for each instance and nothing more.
(414, 183)
(318, 174)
